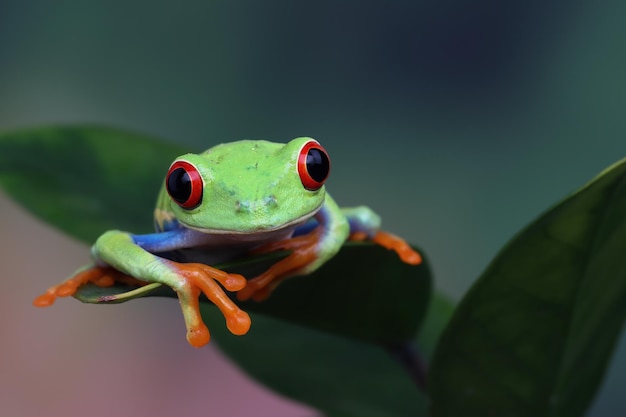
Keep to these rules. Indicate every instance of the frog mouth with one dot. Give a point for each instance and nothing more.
(260, 230)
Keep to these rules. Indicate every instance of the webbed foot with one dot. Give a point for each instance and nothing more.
(190, 280)
(195, 278)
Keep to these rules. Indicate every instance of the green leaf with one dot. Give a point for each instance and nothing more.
(86, 180)
(364, 292)
(535, 333)
(338, 376)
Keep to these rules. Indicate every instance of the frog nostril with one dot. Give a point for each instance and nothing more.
(242, 206)
(270, 201)
(261, 206)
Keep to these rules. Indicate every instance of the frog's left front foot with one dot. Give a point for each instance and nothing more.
(391, 242)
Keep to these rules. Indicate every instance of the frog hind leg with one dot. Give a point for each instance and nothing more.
(392, 242)
(102, 276)
(365, 226)
(303, 252)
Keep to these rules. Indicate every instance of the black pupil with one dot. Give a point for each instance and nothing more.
(179, 185)
(317, 164)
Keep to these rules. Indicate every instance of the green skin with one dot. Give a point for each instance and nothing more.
(252, 196)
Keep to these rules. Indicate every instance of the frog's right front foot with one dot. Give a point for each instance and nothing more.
(194, 278)
(187, 279)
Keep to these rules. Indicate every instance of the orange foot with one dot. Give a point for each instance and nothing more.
(391, 242)
(196, 278)
(102, 276)
(303, 253)
(192, 279)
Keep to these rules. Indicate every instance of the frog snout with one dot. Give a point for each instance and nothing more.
(258, 214)
(258, 206)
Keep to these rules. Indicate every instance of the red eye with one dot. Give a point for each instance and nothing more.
(313, 165)
(184, 184)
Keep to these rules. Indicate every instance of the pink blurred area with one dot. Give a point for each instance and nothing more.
(131, 359)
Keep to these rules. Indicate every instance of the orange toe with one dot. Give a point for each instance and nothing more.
(238, 323)
(397, 244)
(199, 336)
(201, 278)
(45, 300)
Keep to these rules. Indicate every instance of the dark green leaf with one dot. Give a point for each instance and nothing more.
(440, 310)
(340, 377)
(534, 335)
(364, 292)
(85, 179)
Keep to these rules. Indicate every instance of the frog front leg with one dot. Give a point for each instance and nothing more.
(119, 255)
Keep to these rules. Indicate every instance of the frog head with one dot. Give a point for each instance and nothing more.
(249, 186)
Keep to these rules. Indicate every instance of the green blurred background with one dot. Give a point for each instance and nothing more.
(459, 122)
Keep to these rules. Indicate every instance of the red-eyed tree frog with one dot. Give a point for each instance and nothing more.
(234, 198)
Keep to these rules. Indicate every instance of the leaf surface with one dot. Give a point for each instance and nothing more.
(535, 333)
(327, 330)
(340, 377)
(364, 292)
(85, 179)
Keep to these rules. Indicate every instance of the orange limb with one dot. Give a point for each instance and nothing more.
(191, 280)
(198, 278)
(102, 276)
(391, 242)
(303, 252)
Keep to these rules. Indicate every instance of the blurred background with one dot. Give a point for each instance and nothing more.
(459, 122)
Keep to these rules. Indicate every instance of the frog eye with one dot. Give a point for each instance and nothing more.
(184, 184)
(313, 165)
